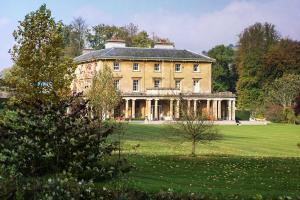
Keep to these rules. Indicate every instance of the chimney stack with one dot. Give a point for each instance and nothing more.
(164, 44)
(114, 42)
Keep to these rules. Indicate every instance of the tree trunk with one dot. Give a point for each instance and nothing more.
(193, 147)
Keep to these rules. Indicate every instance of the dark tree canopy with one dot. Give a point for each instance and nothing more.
(223, 70)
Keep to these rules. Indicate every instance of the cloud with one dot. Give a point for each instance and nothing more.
(204, 30)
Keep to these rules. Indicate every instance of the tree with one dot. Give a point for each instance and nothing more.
(142, 40)
(103, 94)
(281, 58)
(41, 71)
(75, 36)
(195, 127)
(223, 71)
(253, 44)
(102, 32)
(283, 91)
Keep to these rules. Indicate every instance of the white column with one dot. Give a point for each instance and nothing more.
(171, 108)
(229, 110)
(156, 109)
(219, 109)
(233, 110)
(195, 107)
(177, 108)
(188, 106)
(133, 109)
(126, 108)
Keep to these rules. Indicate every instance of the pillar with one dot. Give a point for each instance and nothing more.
(156, 109)
(149, 108)
(133, 109)
(229, 110)
(195, 107)
(171, 108)
(177, 108)
(126, 108)
(215, 111)
(188, 106)
(208, 107)
(233, 110)
(219, 109)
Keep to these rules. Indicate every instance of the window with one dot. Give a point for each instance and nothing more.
(136, 67)
(177, 84)
(135, 85)
(157, 67)
(177, 67)
(117, 84)
(196, 68)
(156, 83)
(196, 86)
(116, 66)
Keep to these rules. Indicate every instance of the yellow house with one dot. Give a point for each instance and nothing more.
(155, 81)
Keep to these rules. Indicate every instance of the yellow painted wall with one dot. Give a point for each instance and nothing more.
(146, 74)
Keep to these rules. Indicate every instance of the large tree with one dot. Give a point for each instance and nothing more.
(253, 44)
(223, 71)
(75, 36)
(41, 71)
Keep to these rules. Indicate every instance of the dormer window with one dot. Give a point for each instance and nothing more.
(136, 67)
(116, 66)
(157, 67)
(196, 68)
(177, 67)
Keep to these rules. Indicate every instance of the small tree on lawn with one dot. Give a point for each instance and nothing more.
(103, 95)
(195, 127)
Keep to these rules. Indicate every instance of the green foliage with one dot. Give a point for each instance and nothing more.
(103, 94)
(74, 36)
(254, 43)
(142, 40)
(224, 75)
(242, 115)
(41, 71)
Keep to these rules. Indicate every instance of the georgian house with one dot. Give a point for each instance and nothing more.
(154, 81)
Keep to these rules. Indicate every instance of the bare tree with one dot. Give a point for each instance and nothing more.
(80, 29)
(196, 127)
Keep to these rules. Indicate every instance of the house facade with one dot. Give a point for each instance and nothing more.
(154, 81)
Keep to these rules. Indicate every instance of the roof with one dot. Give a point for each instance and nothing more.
(133, 53)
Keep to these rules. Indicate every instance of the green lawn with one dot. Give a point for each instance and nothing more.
(248, 160)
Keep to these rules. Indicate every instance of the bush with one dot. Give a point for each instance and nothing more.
(242, 115)
(39, 139)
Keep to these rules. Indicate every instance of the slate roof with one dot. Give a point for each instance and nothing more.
(132, 53)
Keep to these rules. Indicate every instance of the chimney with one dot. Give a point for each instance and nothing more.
(164, 44)
(87, 50)
(114, 42)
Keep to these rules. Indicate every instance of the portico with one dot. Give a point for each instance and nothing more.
(216, 106)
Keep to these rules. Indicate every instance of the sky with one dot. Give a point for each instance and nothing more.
(196, 25)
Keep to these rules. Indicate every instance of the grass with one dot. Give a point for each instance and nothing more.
(249, 160)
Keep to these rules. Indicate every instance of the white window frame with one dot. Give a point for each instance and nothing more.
(135, 65)
(157, 81)
(135, 87)
(177, 82)
(176, 69)
(117, 84)
(155, 65)
(116, 66)
(198, 67)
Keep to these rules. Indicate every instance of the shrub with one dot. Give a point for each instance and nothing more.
(242, 115)
(39, 139)
(275, 113)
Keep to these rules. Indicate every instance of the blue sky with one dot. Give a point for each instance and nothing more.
(192, 24)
